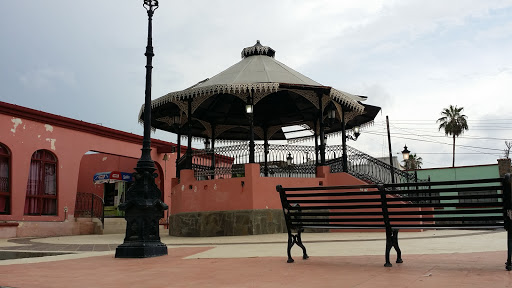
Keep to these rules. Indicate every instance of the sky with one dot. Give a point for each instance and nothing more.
(84, 59)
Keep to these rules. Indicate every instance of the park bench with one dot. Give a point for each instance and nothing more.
(466, 204)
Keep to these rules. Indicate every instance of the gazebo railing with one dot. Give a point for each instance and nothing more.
(366, 167)
(290, 161)
(229, 161)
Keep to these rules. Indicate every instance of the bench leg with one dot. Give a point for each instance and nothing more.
(299, 243)
(291, 241)
(508, 265)
(395, 245)
(295, 239)
(392, 242)
(389, 244)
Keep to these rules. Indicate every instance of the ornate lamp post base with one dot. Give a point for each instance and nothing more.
(143, 210)
(141, 250)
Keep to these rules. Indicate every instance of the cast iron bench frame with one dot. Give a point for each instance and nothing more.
(348, 207)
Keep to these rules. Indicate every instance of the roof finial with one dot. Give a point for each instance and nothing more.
(258, 49)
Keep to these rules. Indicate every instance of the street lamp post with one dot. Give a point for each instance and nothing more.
(289, 162)
(144, 207)
(406, 153)
(249, 109)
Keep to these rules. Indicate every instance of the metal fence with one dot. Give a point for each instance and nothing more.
(290, 161)
(89, 205)
(229, 161)
(366, 167)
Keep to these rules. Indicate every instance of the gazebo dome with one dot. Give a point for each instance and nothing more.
(258, 65)
(258, 49)
(215, 107)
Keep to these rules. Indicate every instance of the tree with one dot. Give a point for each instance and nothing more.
(414, 162)
(507, 151)
(454, 123)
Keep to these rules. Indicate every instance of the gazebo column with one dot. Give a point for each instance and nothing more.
(188, 164)
(251, 128)
(322, 132)
(213, 151)
(178, 155)
(344, 157)
(316, 144)
(265, 151)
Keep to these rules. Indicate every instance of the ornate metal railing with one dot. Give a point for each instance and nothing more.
(89, 205)
(229, 161)
(290, 161)
(366, 167)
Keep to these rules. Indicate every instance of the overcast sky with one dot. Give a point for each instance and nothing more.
(84, 59)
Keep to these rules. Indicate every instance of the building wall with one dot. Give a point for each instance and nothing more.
(25, 131)
(460, 173)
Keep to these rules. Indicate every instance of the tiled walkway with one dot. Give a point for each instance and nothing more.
(431, 259)
(26, 244)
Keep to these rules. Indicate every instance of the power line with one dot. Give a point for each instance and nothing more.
(444, 136)
(437, 142)
(470, 153)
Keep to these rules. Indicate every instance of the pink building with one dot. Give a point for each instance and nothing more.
(45, 159)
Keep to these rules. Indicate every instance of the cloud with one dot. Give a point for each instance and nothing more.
(410, 57)
(495, 33)
(47, 78)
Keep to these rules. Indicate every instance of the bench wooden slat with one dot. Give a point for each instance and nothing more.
(446, 205)
(333, 194)
(447, 189)
(337, 201)
(449, 197)
(437, 212)
(335, 212)
(305, 220)
(334, 207)
(446, 183)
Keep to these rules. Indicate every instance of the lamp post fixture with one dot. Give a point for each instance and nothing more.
(356, 133)
(144, 207)
(331, 115)
(289, 160)
(249, 109)
(405, 153)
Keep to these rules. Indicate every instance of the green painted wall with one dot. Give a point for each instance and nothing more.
(459, 173)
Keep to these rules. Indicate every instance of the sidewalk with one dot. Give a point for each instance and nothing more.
(431, 259)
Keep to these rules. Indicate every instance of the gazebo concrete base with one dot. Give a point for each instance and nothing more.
(227, 223)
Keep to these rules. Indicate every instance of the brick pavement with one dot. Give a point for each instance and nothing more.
(234, 262)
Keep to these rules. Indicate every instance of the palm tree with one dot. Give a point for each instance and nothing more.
(454, 123)
(414, 162)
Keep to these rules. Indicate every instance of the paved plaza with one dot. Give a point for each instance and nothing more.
(431, 259)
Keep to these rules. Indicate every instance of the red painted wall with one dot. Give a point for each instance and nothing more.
(190, 195)
(249, 192)
(25, 131)
(256, 192)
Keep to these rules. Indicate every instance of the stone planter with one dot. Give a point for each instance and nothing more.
(504, 166)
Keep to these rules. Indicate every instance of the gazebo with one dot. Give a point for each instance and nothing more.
(259, 98)
(243, 115)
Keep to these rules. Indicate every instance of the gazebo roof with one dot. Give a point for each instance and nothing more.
(257, 68)
(218, 102)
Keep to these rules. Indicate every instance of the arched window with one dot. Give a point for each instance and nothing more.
(5, 180)
(42, 184)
